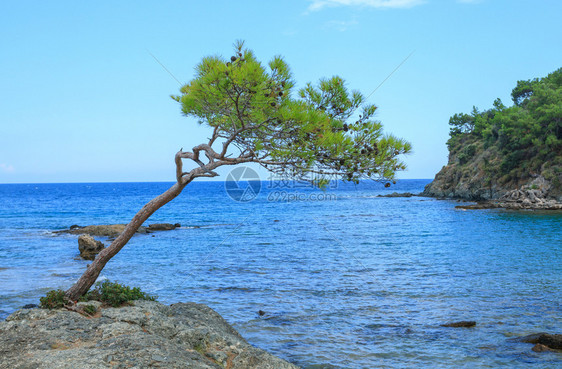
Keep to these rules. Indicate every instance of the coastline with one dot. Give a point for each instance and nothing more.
(144, 334)
(535, 195)
(317, 303)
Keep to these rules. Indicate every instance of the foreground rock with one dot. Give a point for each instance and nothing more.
(148, 334)
(89, 247)
(114, 230)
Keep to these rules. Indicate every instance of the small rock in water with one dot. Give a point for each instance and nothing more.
(89, 247)
(553, 341)
(75, 226)
(539, 347)
(399, 194)
(110, 230)
(162, 226)
(261, 313)
(461, 324)
(531, 338)
(30, 306)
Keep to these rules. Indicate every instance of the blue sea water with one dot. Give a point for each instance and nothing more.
(347, 279)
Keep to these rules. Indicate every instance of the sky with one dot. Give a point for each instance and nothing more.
(83, 100)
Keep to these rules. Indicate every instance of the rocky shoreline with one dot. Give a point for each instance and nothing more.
(146, 334)
(534, 195)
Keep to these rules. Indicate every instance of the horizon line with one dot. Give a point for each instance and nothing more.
(205, 180)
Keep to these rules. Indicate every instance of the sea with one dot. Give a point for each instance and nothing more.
(343, 278)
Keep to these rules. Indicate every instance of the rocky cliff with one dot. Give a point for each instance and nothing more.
(147, 334)
(453, 183)
(471, 182)
(508, 156)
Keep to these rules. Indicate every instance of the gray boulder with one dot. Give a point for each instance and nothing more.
(89, 247)
(147, 334)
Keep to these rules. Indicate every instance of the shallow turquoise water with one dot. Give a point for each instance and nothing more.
(352, 282)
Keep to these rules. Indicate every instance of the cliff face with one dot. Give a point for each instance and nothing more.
(466, 181)
(511, 154)
(471, 183)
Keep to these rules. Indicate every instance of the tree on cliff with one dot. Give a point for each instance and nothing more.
(325, 130)
(515, 143)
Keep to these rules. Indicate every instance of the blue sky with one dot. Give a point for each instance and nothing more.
(82, 100)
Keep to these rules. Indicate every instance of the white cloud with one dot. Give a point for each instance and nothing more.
(320, 4)
(6, 168)
(341, 26)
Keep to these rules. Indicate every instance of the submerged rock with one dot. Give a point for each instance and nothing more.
(461, 324)
(531, 338)
(147, 334)
(551, 341)
(89, 247)
(554, 341)
(539, 347)
(477, 206)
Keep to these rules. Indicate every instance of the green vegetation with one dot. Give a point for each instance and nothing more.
(254, 114)
(322, 131)
(109, 293)
(115, 294)
(513, 144)
(53, 300)
(90, 309)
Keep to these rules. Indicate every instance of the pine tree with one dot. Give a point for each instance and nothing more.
(322, 133)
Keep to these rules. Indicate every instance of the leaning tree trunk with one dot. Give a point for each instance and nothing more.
(91, 274)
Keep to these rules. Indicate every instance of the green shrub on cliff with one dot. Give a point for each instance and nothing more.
(109, 293)
(526, 138)
(115, 294)
(53, 300)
